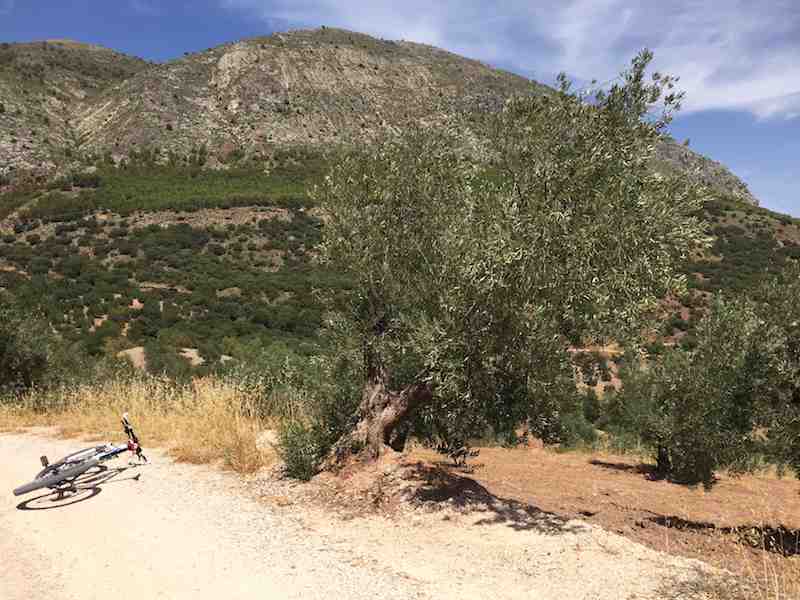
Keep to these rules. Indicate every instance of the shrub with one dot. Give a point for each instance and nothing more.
(30, 355)
(697, 410)
(576, 430)
(300, 449)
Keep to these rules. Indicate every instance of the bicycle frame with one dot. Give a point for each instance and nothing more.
(68, 469)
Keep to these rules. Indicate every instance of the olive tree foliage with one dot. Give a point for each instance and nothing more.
(31, 354)
(24, 352)
(476, 260)
(731, 403)
(701, 410)
(779, 396)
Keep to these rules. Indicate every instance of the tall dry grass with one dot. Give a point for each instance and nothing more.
(766, 577)
(770, 576)
(205, 421)
(756, 570)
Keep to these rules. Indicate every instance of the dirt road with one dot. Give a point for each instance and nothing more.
(176, 531)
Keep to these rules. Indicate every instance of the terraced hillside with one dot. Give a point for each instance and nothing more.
(750, 245)
(217, 262)
(167, 259)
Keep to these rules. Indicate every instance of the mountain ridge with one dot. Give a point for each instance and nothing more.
(244, 99)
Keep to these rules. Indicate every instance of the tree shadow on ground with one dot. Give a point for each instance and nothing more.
(436, 488)
(82, 488)
(779, 540)
(649, 471)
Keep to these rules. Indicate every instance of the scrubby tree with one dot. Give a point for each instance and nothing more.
(700, 411)
(30, 353)
(22, 363)
(476, 260)
(779, 397)
(732, 401)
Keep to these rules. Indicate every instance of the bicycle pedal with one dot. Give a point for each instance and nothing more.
(44, 461)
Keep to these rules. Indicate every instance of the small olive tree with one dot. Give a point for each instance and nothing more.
(699, 410)
(779, 395)
(24, 351)
(31, 353)
(477, 259)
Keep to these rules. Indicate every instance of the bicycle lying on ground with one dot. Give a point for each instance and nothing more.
(61, 475)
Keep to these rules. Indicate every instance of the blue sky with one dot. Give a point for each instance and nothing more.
(739, 61)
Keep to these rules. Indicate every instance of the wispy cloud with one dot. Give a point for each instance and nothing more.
(144, 8)
(730, 54)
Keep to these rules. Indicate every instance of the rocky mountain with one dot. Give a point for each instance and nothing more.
(675, 158)
(62, 102)
(44, 88)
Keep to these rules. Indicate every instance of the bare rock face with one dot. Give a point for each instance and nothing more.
(43, 88)
(304, 87)
(674, 157)
(65, 102)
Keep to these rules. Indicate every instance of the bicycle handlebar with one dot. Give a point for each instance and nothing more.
(133, 441)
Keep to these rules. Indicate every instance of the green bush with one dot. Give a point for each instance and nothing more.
(576, 430)
(323, 397)
(30, 354)
(300, 449)
(697, 411)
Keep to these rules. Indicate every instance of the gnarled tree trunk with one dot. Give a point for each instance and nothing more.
(383, 416)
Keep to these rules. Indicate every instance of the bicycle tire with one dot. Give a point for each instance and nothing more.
(58, 472)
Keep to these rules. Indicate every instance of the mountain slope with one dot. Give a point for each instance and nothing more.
(163, 256)
(245, 99)
(305, 87)
(43, 88)
(673, 158)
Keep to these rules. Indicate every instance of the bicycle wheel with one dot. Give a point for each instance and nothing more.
(67, 468)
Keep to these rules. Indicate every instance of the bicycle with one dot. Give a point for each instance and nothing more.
(60, 476)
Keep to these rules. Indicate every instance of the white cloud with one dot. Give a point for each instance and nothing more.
(144, 8)
(787, 107)
(730, 54)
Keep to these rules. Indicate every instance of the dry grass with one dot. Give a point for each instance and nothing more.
(763, 579)
(757, 576)
(769, 576)
(207, 421)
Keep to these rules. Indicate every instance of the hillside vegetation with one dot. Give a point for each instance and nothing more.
(165, 206)
(172, 257)
(181, 258)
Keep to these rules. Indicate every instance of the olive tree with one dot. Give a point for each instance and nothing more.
(24, 351)
(779, 395)
(31, 353)
(478, 254)
(701, 410)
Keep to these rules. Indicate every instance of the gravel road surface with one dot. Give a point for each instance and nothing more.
(175, 531)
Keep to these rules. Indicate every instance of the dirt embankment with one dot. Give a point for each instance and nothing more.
(170, 530)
